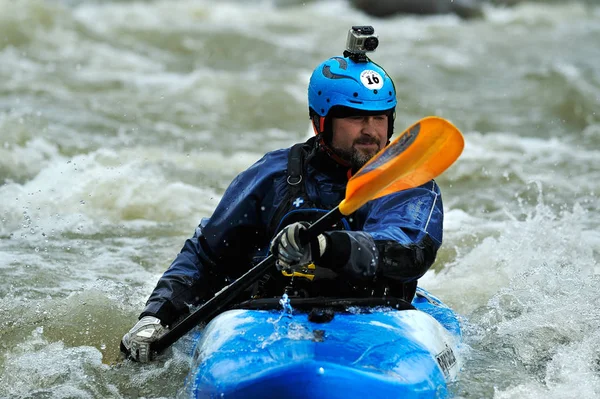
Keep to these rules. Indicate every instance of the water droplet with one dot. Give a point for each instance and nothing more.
(37, 249)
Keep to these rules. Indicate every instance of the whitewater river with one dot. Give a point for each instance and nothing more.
(122, 123)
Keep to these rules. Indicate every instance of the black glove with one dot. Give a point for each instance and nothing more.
(291, 254)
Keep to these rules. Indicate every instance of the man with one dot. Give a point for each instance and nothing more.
(382, 249)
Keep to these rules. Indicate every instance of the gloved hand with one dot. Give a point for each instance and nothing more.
(136, 343)
(291, 254)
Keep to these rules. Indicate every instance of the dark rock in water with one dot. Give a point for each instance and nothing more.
(387, 8)
(510, 3)
(507, 2)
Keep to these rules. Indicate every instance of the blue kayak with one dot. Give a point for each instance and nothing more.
(328, 348)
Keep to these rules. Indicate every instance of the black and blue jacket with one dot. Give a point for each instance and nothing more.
(381, 249)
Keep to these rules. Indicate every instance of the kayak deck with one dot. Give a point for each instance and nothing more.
(359, 352)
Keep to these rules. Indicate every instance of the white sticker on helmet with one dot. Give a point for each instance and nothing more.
(371, 80)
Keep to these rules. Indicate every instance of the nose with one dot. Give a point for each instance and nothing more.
(368, 125)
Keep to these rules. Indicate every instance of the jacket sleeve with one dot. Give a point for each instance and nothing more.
(220, 249)
(401, 234)
(186, 282)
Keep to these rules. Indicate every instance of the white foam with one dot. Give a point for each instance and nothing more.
(518, 246)
(111, 186)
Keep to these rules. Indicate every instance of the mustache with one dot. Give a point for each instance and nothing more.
(368, 140)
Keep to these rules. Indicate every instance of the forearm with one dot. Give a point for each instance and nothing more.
(406, 263)
(357, 255)
(185, 283)
(352, 253)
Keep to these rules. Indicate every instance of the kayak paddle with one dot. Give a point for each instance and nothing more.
(421, 153)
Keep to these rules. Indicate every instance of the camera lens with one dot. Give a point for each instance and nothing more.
(371, 43)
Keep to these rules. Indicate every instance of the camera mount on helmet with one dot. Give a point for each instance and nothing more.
(361, 40)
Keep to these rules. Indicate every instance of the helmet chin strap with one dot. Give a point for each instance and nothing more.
(329, 151)
(318, 124)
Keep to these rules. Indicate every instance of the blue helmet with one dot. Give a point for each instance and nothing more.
(341, 83)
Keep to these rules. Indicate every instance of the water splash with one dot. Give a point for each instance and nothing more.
(286, 305)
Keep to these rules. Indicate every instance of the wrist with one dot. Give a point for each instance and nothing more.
(337, 250)
(318, 246)
(322, 242)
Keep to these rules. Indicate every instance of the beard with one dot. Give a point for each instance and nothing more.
(356, 158)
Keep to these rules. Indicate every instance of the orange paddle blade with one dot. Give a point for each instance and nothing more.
(421, 153)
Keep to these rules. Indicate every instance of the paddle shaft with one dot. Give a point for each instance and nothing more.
(228, 295)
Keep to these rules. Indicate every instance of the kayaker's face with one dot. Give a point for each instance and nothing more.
(357, 139)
